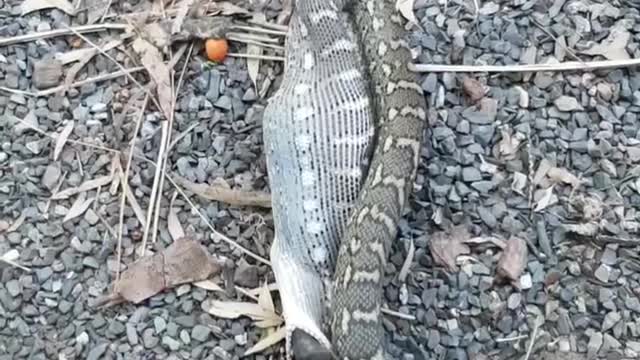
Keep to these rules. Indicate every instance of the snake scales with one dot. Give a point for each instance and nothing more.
(342, 138)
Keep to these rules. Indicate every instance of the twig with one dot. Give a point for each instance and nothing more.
(509, 339)
(213, 230)
(260, 30)
(154, 188)
(564, 66)
(226, 195)
(269, 25)
(246, 36)
(533, 339)
(109, 76)
(253, 42)
(125, 184)
(62, 32)
(261, 57)
(397, 314)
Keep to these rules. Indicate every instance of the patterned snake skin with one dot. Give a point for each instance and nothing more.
(342, 136)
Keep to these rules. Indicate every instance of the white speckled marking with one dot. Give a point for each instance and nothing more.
(303, 113)
(308, 61)
(310, 205)
(350, 75)
(317, 16)
(301, 89)
(308, 178)
(342, 44)
(382, 48)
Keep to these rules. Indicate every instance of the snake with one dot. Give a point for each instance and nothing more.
(342, 137)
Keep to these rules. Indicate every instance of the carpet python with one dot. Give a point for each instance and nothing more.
(342, 138)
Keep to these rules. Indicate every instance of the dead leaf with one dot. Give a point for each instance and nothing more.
(447, 245)
(29, 6)
(62, 139)
(183, 9)
(134, 204)
(541, 172)
(226, 195)
(184, 261)
(256, 292)
(265, 300)
(267, 341)
(402, 276)
(86, 186)
(173, 223)
(406, 9)
(513, 260)
(589, 229)
(79, 207)
(473, 88)
(519, 183)
(509, 144)
(208, 285)
(227, 9)
(253, 63)
(485, 239)
(10, 257)
(547, 198)
(562, 175)
(236, 309)
(16, 224)
(151, 59)
(613, 47)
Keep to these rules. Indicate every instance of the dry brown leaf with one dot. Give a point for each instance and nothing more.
(406, 9)
(29, 6)
(10, 257)
(226, 195)
(268, 323)
(151, 59)
(208, 285)
(547, 198)
(473, 88)
(134, 204)
(184, 261)
(173, 223)
(402, 276)
(562, 175)
(447, 245)
(62, 139)
(86, 186)
(513, 260)
(256, 292)
(267, 341)
(79, 207)
(519, 183)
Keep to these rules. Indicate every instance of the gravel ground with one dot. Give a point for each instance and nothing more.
(548, 158)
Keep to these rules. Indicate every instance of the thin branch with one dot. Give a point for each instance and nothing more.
(62, 32)
(564, 66)
(261, 57)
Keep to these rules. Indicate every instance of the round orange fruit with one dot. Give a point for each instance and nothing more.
(216, 49)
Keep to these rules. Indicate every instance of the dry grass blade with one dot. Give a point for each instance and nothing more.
(402, 276)
(29, 6)
(253, 64)
(265, 300)
(267, 341)
(16, 224)
(86, 186)
(79, 207)
(62, 139)
(10, 257)
(62, 32)
(564, 66)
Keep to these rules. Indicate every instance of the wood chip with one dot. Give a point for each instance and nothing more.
(513, 260)
(473, 88)
(47, 73)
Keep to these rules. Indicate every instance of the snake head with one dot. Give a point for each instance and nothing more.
(306, 347)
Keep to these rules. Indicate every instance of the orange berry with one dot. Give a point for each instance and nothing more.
(216, 49)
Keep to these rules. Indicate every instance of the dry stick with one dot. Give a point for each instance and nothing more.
(113, 75)
(533, 339)
(269, 25)
(213, 230)
(260, 38)
(252, 42)
(61, 32)
(564, 66)
(154, 189)
(163, 165)
(125, 185)
(259, 30)
(42, 132)
(261, 57)
(155, 101)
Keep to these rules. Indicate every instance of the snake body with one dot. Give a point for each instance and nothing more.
(342, 137)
